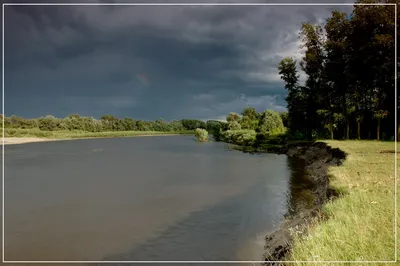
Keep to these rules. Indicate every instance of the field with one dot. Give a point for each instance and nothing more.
(360, 224)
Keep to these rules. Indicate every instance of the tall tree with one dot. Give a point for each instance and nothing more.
(295, 98)
(338, 94)
(373, 63)
(312, 64)
(350, 66)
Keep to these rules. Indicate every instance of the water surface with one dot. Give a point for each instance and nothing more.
(143, 198)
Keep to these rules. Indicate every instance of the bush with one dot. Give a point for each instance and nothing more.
(296, 136)
(246, 138)
(239, 137)
(279, 139)
(201, 134)
(274, 139)
(262, 137)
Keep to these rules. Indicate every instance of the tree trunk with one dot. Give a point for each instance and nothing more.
(347, 131)
(378, 129)
(331, 126)
(359, 130)
(398, 131)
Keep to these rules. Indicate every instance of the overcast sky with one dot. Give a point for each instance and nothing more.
(149, 62)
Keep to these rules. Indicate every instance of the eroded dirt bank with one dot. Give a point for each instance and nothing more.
(317, 158)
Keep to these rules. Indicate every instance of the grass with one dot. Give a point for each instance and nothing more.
(360, 224)
(36, 132)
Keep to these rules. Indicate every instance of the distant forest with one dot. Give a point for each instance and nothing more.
(105, 123)
(350, 65)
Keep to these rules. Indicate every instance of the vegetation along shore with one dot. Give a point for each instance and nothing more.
(22, 130)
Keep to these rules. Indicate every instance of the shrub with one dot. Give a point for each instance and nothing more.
(246, 138)
(201, 134)
(278, 139)
(262, 137)
(239, 137)
(296, 136)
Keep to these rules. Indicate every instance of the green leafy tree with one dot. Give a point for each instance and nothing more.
(128, 124)
(250, 112)
(296, 98)
(214, 128)
(285, 118)
(338, 94)
(249, 118)
(201, 134)
(192, 124)
(312, 37)
(372, 61)
(48, 123)
(270, 123)
(234, 125)
(233, 117)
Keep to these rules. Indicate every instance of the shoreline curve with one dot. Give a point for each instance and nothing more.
(24, 140)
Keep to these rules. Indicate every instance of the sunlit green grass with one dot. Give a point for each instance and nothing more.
(36, 132)
(361, 222)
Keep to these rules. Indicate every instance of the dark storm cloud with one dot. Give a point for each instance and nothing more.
(149, 61)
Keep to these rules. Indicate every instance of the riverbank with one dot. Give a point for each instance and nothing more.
(359, 224)
(9, 141)
(19, 136)
(317, 157)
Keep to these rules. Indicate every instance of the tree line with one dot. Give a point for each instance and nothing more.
(105, 123)
(349, 62)
(250, 128)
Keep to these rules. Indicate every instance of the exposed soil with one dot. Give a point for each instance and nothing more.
(317, 158)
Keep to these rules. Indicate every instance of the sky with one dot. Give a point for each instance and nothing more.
(150, 62)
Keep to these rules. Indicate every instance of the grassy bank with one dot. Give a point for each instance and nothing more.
(360, 224)
(36, 132)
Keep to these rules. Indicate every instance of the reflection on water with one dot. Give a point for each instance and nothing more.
(300, 195)
(155, 198)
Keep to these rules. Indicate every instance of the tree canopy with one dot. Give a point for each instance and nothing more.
(349, 63)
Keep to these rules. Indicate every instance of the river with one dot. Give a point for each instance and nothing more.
(141, 198)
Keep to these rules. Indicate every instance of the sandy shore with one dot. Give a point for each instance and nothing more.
(22, 140)
(8, 141)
